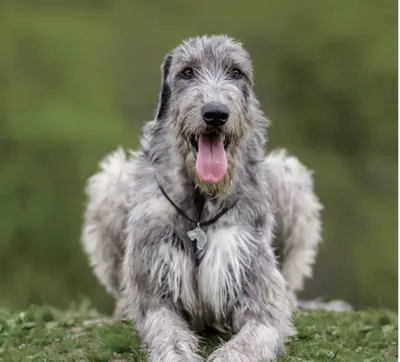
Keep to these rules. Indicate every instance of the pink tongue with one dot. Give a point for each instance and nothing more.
(211, 164)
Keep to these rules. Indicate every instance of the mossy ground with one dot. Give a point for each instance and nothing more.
(47, 334)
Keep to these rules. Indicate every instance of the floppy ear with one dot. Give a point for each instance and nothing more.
(163, 102)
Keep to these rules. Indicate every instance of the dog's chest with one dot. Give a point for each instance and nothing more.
(217, 277)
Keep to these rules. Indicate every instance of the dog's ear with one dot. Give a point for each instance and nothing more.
(163, 102)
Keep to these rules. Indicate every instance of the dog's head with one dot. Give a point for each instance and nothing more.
(207, 90)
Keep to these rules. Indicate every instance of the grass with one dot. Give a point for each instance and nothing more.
(47, 334)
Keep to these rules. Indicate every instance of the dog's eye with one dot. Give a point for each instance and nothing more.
(236, 73)
(187, 73)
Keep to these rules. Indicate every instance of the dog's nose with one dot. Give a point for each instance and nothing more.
(215, 114)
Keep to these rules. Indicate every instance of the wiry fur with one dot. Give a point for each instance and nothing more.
(137, 242)
(297, 211)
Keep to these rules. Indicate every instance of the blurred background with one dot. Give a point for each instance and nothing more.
(80, 77)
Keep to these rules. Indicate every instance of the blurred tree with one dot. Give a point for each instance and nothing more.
(78, 78)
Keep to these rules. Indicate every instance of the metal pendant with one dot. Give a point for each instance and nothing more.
(200, 236)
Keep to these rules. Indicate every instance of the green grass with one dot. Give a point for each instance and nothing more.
(47, 334)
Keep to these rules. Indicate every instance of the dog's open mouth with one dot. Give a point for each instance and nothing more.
(210, 152)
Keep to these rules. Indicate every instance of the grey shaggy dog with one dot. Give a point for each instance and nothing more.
(205, 149)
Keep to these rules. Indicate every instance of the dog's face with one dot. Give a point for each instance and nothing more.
(207, 83)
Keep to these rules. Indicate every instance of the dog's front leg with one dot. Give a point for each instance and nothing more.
(148, 280)
(255, 342)
(261, 320)
(156, 280)
(168, 337)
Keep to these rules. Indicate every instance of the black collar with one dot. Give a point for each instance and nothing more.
(199, 201)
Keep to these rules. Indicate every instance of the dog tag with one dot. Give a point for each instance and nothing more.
(200, 237)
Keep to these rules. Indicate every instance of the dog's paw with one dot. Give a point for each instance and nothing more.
(176, 357)
(225, 354)
(193, 358)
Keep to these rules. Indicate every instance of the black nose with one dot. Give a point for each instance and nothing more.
(215, 114)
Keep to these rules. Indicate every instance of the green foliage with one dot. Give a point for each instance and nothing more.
(82, 334)
(78, 78)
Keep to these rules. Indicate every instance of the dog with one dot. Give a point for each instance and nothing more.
(200, 229)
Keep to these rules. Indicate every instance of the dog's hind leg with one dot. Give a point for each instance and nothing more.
(297, 211)
(298, 233)
(298, 216)
(104, 222)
